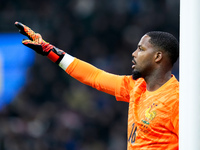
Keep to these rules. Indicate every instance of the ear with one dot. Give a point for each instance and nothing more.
(158, 56)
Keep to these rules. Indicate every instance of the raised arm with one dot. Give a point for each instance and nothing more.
(80, 70)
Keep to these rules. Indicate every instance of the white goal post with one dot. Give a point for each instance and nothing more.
(189, 120)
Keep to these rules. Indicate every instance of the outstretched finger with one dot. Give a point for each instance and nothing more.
(23, 29)
(28, 42)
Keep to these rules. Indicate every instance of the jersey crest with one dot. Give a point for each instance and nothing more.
(149, 114)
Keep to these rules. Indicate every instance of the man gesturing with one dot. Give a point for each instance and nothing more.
(151, 91)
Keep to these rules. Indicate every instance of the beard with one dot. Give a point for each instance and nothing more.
(136, 75)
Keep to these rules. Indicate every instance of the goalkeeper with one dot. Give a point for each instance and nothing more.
(151, 91)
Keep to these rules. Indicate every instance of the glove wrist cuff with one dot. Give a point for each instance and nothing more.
(56, 55)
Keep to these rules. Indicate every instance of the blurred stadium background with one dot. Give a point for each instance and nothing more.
(41, 107)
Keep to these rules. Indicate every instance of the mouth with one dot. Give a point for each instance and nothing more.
(134, 63)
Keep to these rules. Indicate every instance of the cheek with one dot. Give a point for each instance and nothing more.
(145, 61)
(142, 58)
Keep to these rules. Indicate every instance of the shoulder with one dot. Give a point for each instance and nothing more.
(173, 88)
(128, 80)
(170, 95)
(134, 84)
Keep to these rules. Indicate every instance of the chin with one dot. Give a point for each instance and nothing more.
(136, 75)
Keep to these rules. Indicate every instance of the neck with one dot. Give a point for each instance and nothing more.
(156, 80)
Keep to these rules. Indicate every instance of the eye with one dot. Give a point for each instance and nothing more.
(140, 49)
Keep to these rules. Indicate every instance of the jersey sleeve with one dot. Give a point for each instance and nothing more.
(92, 76)
(112, 84)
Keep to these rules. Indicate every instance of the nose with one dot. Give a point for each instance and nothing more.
(134, 54)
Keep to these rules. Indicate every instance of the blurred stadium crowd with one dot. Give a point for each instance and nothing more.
(54, 111)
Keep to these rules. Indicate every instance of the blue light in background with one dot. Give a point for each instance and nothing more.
(15, 59)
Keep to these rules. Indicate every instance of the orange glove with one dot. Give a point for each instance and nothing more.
(36, 43)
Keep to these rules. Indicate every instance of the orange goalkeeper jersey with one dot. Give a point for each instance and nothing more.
(153, 118)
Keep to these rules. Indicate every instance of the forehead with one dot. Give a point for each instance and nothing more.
(144, 41)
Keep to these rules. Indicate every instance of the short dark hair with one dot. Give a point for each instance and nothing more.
(167, 42)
